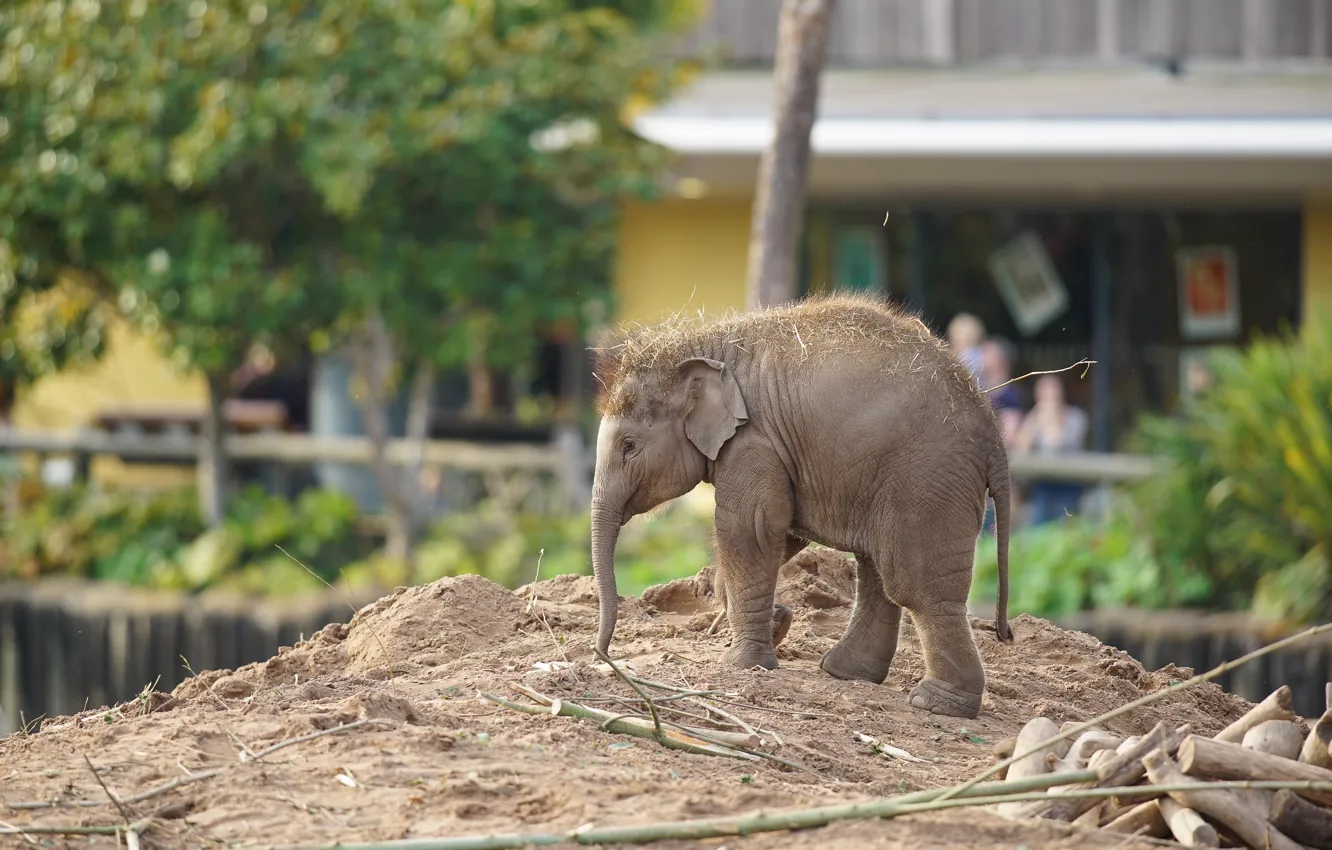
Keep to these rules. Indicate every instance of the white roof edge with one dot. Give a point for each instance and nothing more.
(1016, 137)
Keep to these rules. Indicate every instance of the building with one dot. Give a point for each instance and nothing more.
(1066, 178)
(1097, 156)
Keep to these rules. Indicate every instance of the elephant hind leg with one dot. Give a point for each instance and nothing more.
(954, 678)
(866, 649)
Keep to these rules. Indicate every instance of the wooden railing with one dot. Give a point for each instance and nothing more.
(513, 470)
(564, 457)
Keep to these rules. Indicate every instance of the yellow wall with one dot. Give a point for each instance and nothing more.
(1318, 254)
(132, 372)
(681, 255)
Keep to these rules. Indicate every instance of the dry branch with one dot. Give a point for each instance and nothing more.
(1277, 706)
(1222, 806)
(166, 787)
(627, 725)
(137, 827)
(1206, 758)
(1301, 820)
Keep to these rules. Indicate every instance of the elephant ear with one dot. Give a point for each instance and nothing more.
(714, 407)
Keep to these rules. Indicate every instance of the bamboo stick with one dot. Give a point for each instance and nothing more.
(1301, 820)
(1221, 806)
(1277, 706)
(892, 807)
(1206, 758)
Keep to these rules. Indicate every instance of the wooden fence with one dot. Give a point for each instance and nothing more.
(65, 645)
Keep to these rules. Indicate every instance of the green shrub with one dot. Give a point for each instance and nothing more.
(1247, 503)
(1076, 563)
(156, 540)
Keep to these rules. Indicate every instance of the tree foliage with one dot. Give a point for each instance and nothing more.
(234, 171)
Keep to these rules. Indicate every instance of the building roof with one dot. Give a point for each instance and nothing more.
(1015, 93)
(1016, 112)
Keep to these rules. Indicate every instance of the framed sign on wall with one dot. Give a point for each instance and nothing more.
(1028, 282)
(1208, 292)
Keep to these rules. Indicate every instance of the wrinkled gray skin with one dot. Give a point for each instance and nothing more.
(882, 449)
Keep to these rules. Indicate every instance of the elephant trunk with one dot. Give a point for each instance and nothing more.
(606, 522)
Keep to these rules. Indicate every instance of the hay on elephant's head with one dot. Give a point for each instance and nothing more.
(633, 356)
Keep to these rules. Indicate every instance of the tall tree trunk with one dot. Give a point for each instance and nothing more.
(375, 363)
(802, 47)
(480, 380)
(214, 469)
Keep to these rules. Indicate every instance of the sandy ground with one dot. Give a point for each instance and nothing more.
(435, 760)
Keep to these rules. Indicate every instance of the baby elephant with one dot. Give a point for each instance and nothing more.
(840, 420)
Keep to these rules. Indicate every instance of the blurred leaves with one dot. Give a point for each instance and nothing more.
(1248, 501)
(233, 171)
(159, 541)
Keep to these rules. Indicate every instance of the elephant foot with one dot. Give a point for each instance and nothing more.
(750, 655)
(844, 663)
(938, 697)
(782, 618)
(781, 623)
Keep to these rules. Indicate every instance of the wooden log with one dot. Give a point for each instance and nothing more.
(1301, 820)
(1317, 745)
(1278, 737)
(1206, 758)
(1146, 817)
(1091, 818)
(1036, 730)
(1222, 806)
(1277, 706)
(1040, 762)
(1125, 768)
(1092, 741)
(1186, 825)
(1099, 758)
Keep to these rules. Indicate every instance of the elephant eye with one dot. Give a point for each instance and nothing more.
(630, 447)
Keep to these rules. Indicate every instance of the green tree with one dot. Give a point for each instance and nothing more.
(239, 171)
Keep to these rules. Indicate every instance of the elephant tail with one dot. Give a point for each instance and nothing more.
(998, 483)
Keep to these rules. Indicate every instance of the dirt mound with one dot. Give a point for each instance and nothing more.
(431, 759)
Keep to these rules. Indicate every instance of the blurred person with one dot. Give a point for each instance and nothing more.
(1198, 380)
(996, 372)
(1052, 426)
(965, 334)
(996, 363)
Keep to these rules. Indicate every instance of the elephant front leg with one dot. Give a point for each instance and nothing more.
(867, 647)
(752, 523)
(781, 614)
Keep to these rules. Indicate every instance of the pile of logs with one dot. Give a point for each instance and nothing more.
(1266, 744)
